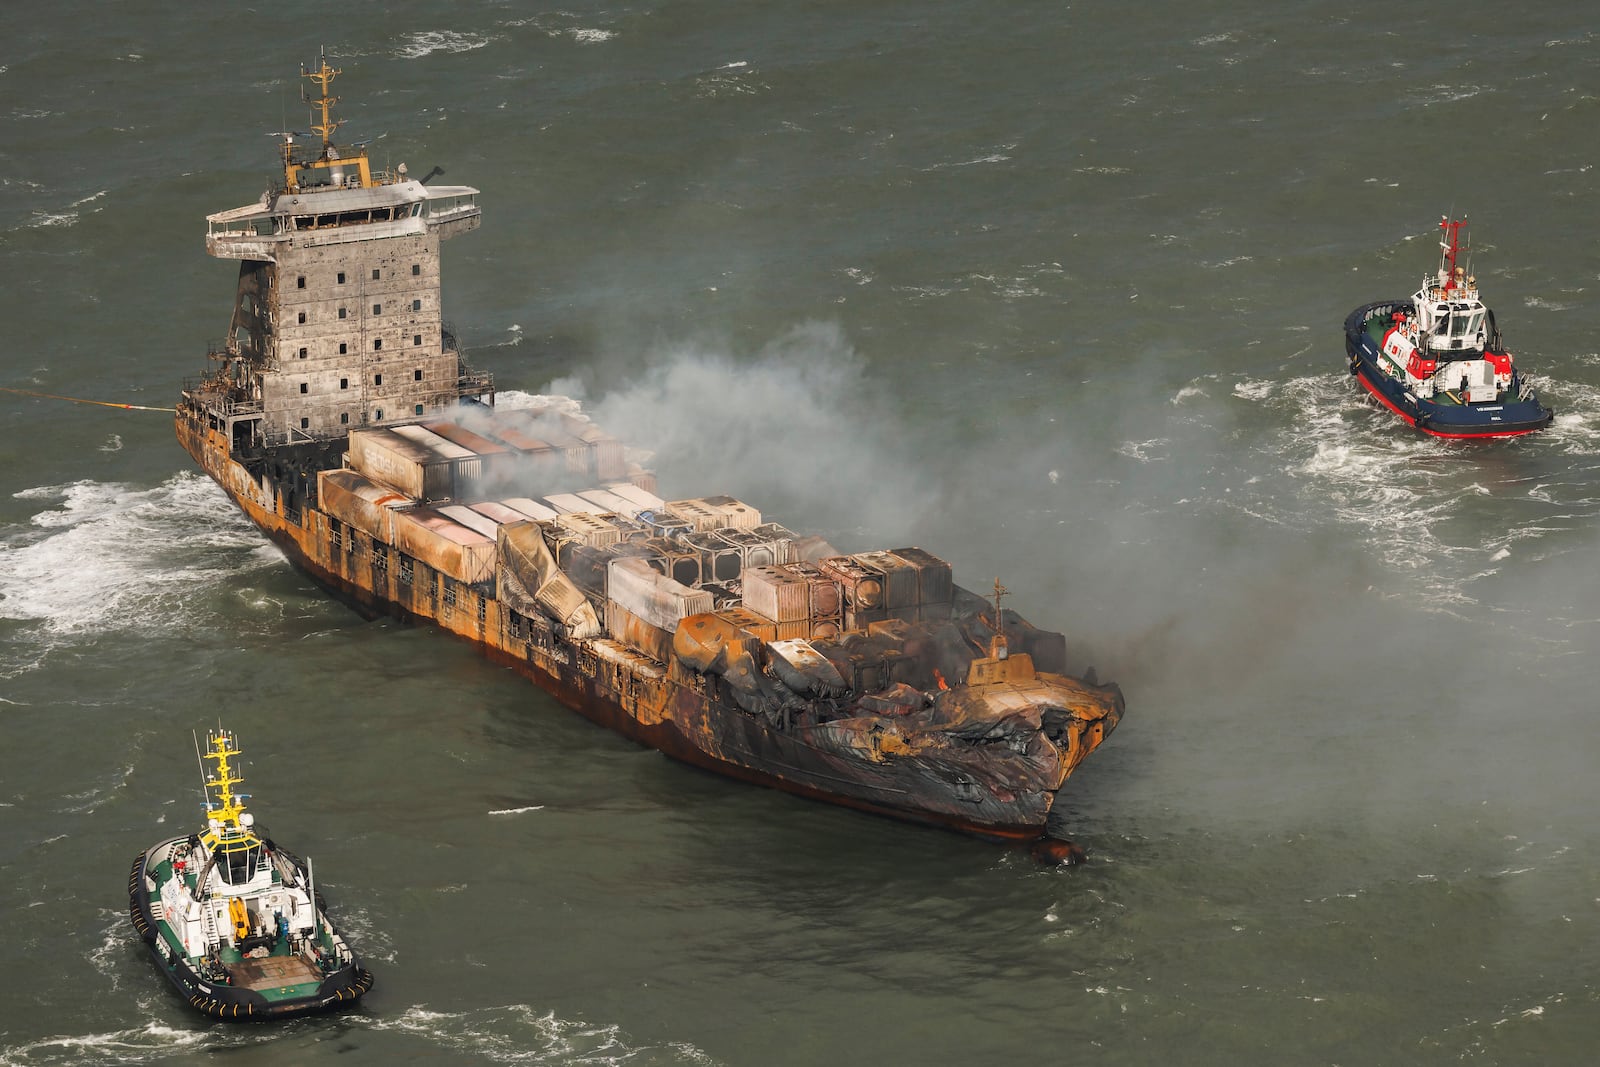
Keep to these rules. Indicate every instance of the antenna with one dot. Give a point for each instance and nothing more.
(997, 645)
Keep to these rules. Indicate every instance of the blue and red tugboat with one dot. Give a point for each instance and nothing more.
(1437, 360)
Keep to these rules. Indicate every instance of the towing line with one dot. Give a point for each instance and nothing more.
(80, 400)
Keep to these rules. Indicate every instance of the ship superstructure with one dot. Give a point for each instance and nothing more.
(690, 625)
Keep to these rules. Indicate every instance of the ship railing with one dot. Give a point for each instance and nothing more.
(475, 383)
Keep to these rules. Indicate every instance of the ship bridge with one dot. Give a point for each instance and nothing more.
(287, 219)
(336, 322)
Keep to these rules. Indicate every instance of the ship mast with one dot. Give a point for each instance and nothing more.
(997, 644)
(323, 76)
(1449, 242)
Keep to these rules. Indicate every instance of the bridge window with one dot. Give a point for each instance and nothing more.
(377, 343)
(301, 282)
(344, 418)
(302, 353)
(305, 424)
(416, 269)
(416, 375)
(343, 348)
(377, 309)
(344, 383)
(374, 273)
(302, 318)
(416, 305)
(341, 277)
(377, 379)
(416, 339)
(341, 313)
(303, 387)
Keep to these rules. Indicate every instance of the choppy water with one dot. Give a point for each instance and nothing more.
(1052, 290)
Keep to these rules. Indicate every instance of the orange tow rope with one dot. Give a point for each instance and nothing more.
(80, 400)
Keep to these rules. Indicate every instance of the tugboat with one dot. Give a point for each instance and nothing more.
(235, 922)
(1438, 361)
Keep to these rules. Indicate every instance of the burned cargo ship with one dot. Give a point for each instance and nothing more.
(340, 415)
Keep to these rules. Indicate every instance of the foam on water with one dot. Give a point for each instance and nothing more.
(150, 1043)
(1401, 491)
(111, 557)
(426, 42)
(520, 1033)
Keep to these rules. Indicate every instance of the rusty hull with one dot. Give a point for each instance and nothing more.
(984, 759)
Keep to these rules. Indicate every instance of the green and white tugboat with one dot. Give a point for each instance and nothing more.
(234, 921)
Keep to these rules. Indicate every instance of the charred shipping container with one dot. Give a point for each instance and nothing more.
(691, 625)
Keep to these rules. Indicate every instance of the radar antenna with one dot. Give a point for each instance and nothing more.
(323, 76)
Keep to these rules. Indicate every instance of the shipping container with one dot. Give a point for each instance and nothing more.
(758, 625)
(569, 504)
(467, 439)
(899, 578)
(827, 598)
(644, 499)
(719, 561)
(712, 641)
(360, 502)
(445, 545)
(812, 548)
(606, 502)
(862, 588)
(653, 597)
(665, 524)
(935, 581)
(605, 452)
(779, 594)
(696, 514)
(735, 513)
(591, 529)
(530, 508)
(384, 456)
(472, 520)
(499, 512)
(636, 633)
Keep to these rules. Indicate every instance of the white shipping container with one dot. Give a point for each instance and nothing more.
(778, 593)
(530, 508)
(646, 500)
(610, 503)
(472, 520)
(570, 503)
(651, 596)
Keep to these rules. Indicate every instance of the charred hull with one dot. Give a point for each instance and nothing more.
(1520, 412)
(214, 995)
(1000, 788)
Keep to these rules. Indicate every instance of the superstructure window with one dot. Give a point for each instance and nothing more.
(416, 339)
(305, 424)
(377, 379)
(416, 269)
(302, 353)
(416, 305)
(341, 277)
(344, 418)
(377, 309)
(344, 383)
(419, 409)
(374, 273)
(302, 318)
(341, 313)
(377, 416)
(301, 282)
(377, 343)
(416, 375)
(343, 348)
(304, 387)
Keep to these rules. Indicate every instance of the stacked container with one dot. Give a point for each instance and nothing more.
(644, 608)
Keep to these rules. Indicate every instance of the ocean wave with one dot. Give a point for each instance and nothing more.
(426, 42)
(111, 557)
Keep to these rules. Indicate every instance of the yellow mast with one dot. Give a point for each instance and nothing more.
(299, 175)
(324, 76)
(224, 824)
